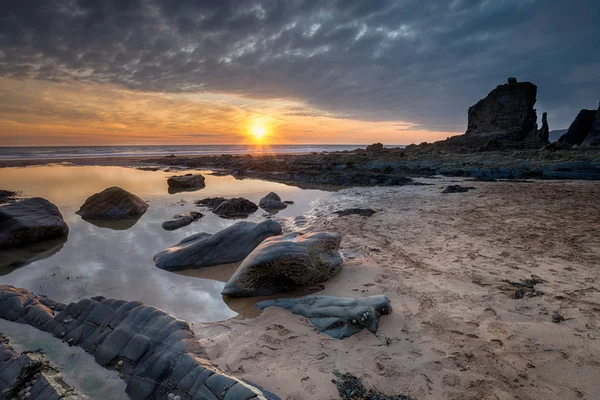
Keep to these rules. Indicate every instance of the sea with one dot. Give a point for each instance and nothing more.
(58, 152)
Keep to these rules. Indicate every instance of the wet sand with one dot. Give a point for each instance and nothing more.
(455, 332)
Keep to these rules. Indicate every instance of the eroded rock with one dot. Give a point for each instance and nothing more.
(155, 353)
(112, 204)
(580, 128)
(338, 317)
(272, 201)
(230, 245)
(593, 137)
(30, 221)
(285, 263)
(188, 182)
(235, 208)
(181, 220)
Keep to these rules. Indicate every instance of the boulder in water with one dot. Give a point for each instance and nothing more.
(230, 245)
(285, 263)
(29, 221)
(188, 182)
(112, 204)
(181, 220)
(235, 208)
(272, 201)
(338, 317)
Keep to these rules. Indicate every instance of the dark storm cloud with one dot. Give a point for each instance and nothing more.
(423, 62)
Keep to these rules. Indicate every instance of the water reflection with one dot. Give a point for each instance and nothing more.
(118, 263)
(115, 224)
(20, 256)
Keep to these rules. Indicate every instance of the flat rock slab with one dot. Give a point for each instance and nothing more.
(338, 317)
(181, 220)
(31, 373)
(188, 182)
(30, 221)
(285, 263)
(230, 245)
(157, 355)
(113, 203)
(364, 212)
(272, 201)
(457, 189)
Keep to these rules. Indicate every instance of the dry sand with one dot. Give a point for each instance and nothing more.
(455, 331)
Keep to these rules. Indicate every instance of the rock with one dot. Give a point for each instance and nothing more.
(272, 201)
(33, 373)
(338, 317)
(112, 204)
(30, 221)
(512, 80)
(188, 182)
(230, 245)
(235, 208)
(375, 148)
(457, 189)
(506, 113)
(593, 137)
(286, 263)
(7, 196)
(150, 169)
(160, 353)
(580, 128)
(351, 388)
(181, 220)
(364, 212)
(544, 132)
(210, 202)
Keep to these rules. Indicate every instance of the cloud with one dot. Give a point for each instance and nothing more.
(378, 60)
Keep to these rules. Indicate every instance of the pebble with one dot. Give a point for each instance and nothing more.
(120, 363)
(27, 395)
(171, 396)
(177, 398)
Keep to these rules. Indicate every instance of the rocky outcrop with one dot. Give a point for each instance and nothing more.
(593, 137)
(338, 317)
(285, 263)
(580, 128)
(30, 376)
(544, 132)
(374, 148)
(230, 245)
(157, 355)
(188, 182)
(272, 201)
(235, 208)
(30, 221)
(112, 204)
(181, 220)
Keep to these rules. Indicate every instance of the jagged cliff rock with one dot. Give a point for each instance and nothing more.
(593, 137)
(544, 132)
(580, 128)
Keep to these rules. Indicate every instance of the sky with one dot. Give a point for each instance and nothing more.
(104, 72)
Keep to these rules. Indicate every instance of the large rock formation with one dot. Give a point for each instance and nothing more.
(272, 202)
(158, 355)
(230, 245)
(593, 137)
(31, 376)
(188, 182)
(285, 263)
(580, 128)
(544, 132)
(112, 204)
(339, 317)
(29, 221)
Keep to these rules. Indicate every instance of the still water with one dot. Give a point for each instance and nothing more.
(118, 263)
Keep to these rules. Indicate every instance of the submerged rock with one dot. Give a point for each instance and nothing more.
(111, 204)
(30, 375)
(272, 201)
(338, 317)
(457, 189)
(188, 182)
(181, 220)
(156, 354)
(230, 245)
(30, 221)
(580, 128)
(364, 212)
(235, 208)
(285, 263)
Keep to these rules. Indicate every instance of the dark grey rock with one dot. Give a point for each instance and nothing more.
(286, 263)
(188, 182)
(8, 196)
(364, 212)
(230, 245)
(30, 221)
(580, 128)
(210, 202)
(544, 133)
(235, 208)
(374, 148)
(181, 220)
(113, 203)
(457, 189)
(156, 353)
(338, 317)
(593, 137)
(272, 201)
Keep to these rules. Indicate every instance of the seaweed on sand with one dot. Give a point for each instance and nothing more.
(351, 388)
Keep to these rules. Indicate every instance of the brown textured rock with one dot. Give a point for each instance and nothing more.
(580, 128)
(188, 182)
(113, 203)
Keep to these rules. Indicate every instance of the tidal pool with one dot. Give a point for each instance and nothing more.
(116, 261)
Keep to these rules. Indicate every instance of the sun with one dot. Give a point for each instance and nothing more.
(258, 131)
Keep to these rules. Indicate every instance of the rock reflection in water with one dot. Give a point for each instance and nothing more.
(13, 258)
